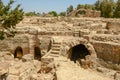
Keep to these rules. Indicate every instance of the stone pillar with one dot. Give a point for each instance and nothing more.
(33, 40)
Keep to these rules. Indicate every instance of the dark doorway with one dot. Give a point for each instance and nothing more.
(18, 52)
(78, 52)
(37, 53)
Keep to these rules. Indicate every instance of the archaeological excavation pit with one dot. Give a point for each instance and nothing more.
(78, 52)
(18, 52)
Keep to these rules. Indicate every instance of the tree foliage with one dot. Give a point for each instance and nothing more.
(107, 7)
(9, 18)
(31, 14)
(117, 10)
(70, 9)
(62, 14)
(54, 13)
(80, 6)
(97, 5)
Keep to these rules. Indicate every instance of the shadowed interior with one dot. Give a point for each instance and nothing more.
(78, 52)
(18, 52)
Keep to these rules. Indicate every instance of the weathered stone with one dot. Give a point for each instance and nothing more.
(108, 51)
(14, 71)
(13, 77)
(117, 76)
(114, 26)
(27, 57)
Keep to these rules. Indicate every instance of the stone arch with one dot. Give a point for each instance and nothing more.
(18, 53)
(78, 51)
(86, 45)
(37, 53)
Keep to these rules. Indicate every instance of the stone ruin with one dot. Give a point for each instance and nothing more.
(89, 42)
(84, 13)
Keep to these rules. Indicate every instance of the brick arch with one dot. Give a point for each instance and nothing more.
(18, 53)
(78, 51)
(87, 45)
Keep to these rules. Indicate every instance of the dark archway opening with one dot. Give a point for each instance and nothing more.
(18, 52)
(37, 53)
(78, 52)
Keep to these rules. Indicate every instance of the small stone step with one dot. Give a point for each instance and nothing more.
(76, 32)
(54, 55)
(56, 49)
(55, 45)
(76, 35)
(54, 52)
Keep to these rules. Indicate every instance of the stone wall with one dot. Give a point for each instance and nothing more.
(113, 26)
(108, 51)
(11, 44)
(45, 43)
(27, 39)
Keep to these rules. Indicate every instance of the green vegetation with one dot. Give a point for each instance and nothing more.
(62, 14)
(117, 10)
(53, 13)
(70, 9)
(9, 18)
(31, 14)
(106, 7)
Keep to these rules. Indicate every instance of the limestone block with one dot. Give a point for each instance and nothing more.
(84, 64)
(14, 71)
(25, 75)
(8, 57)
(108, 51)
(117, 76)
(34, 77)
(37, 65)
(4, 68)
(114, 26)
(84, 32)
(13, 77)
(46, 60)
(27, 57)
(3, 76)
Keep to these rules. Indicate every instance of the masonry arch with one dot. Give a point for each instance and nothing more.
(78, 52)
(18, 53)
(85, 45)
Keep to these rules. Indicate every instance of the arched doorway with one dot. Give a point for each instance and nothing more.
(78, 52)
(18, 52)
(37, 53)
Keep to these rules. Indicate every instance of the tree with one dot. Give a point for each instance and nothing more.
(106, 7)
(110, 8)
(9, 18)
(103, 8)
(31, 14)
(88, 6)
(97, 5)
(54, 13)
(117, 10)
(70, 9)
(62, 14)
(80, 6)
